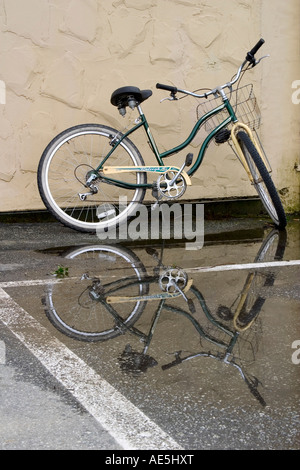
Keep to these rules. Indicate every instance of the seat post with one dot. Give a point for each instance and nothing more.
(139, 108)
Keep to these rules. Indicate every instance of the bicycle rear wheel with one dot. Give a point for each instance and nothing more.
(77, 306)
(66, 164)
(262, 181)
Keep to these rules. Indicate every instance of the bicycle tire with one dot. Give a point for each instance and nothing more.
(63, 170)
(80, 316)
(273, 248)
(262, 181)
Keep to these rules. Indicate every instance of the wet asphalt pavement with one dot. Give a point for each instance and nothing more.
(114, 355)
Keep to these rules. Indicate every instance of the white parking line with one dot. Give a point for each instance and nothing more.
(128, 425)
(197, 269)
(236, 267)
(2, 352)
(30, 282)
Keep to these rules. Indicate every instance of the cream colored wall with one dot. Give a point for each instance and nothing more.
(281, 109)
(61, 59)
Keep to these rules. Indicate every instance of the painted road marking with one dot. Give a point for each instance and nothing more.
(198, 269)
(32, 282)
(2, 352)
(128, 425)
(235, 267)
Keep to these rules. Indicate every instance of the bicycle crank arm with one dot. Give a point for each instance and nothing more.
(182, 293)
(187, 162)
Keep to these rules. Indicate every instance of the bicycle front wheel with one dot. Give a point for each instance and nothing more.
(273, 248)
(67, 163)
(262, 181)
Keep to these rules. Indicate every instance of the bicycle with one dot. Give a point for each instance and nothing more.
(76, 172)
(97, 309)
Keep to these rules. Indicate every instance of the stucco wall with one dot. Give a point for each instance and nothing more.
(60, 61)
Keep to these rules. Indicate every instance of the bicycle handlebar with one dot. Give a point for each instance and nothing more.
(250, 57)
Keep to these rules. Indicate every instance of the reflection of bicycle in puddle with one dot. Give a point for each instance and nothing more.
(98, 307)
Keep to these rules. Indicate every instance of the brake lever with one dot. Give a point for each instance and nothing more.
(169, 98)
(259, 60)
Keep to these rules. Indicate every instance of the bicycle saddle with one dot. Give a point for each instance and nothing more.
(120, 96)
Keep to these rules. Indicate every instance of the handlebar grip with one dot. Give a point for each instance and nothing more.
(172, 89)
(251, 54)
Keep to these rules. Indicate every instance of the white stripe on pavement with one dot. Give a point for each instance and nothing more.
(128, 425)
(234, 267)
(197, 269)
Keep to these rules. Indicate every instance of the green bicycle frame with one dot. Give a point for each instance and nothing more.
(163, 297)
(160, 156)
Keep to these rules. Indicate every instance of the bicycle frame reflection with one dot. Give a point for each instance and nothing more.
(100, 307)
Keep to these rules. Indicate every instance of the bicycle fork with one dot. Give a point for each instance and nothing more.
(238, 126)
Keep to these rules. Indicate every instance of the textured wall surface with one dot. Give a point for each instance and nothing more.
(60, 60)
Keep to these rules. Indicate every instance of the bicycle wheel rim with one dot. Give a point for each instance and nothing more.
(65, 164)
(262, 181)
(60, 316)
(272, 248)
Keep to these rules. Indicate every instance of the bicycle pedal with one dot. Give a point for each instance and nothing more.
(155, 192)
(191, 306)
(189, 159)
(156, 196)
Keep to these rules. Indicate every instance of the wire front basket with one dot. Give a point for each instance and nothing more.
(244, 104)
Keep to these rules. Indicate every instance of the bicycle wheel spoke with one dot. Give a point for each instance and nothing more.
(262, 181)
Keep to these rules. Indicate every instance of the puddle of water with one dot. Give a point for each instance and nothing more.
(114, 293)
